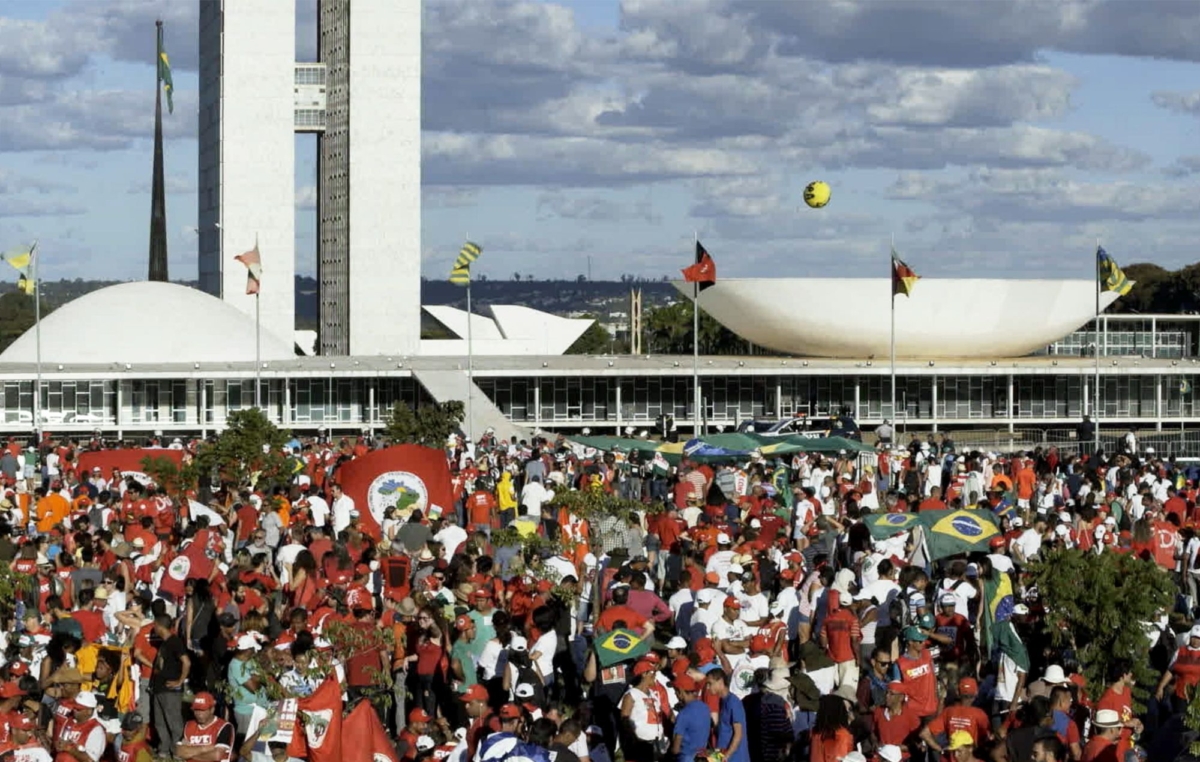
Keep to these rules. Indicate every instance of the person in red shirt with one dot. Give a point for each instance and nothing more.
(1184, 669)
(964, 715)
(91, 618)
(934, 502)
(206, 736)
(958, 629)
(481, 511)
(1175, 505)
(841, 637)
(894, 722)
(917, 673)
(620, 612)
(418, 723)
(1119, 698)
(1106, 729)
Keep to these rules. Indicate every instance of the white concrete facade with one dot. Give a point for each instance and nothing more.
(511, 330)
(247, 154)
(385, 177)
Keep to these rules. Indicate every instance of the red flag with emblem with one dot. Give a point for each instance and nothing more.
(409, 477)
(319, 725)
(363, 737)
(193, 563)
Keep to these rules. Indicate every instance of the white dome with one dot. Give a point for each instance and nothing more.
(146, 322)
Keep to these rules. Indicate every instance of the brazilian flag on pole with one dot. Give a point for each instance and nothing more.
(885, 525)
(620, 645)
(164, 71)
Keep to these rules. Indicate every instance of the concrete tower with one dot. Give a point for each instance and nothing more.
(363, 100)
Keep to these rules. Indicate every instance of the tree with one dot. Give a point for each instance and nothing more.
(1096, 604)
(669, 332)
(429, 425)
(517, 277)
(594, 341)
(247, 454)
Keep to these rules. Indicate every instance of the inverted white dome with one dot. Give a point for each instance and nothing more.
(944, 318)
(146, 322)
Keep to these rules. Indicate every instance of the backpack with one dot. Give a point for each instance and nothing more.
(95, 516)
(898, 612)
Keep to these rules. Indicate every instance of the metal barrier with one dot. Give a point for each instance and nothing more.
(1179, 443)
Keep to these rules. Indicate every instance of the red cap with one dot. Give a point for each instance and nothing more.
(10, 689)
(18, 669)
(475, 693)
(997, 542)
(463, 623)
(732, 603)
(759, 644)
(686, 682)
(510, 712)
(653, 658)
(203, 700)
(340, 577)
(642, 667)
(896, 686)
(712, 578)
(362, 569)
(968, 687)
(418, 715)
(21, 722)
(481, 593)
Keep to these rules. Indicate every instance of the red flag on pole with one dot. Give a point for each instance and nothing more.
(193, 563)
(704, 271)
(253, 262)
(363, 737)
(320, 717)
(409, 477)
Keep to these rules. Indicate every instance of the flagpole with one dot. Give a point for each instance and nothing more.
(470, 359)
(1096, 383)
(697, 398)
(258, 350)
(37, 338)
(892, 297)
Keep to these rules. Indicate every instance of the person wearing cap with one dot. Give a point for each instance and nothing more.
(247, 692)
(464, 656)
(134, 747)
(206, 737)
(693, 722)
(1184, 669)
(729, 633)
(500, 745)
(958, 645)
(82, 738)
(641, 715)
(24, 744)
(961, 747)
(963, 715)
(917, 673)
(417, 726)
(841, 637)
(895, 722)
(482, 721)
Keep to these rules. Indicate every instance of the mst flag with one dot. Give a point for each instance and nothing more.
(407, 477)
(21, 260)
(704, 272)
(253, 262)
(948, 532)
(1110, 276)
(620, 645)
(903, 276)
(321, 719)
(363, 736)
(164, 71)
(460, 274)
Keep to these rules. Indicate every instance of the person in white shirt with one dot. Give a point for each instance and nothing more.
(755, 608)
(342, 509)
(451, 536)
(720, 561)
(318, 509)
(534, 495)
(730, 633)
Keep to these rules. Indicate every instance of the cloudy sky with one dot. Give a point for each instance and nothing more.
(996, 138)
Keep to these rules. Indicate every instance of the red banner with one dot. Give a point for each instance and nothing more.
(410, 477)
(320, 737)
(129, 461)
(363, 736)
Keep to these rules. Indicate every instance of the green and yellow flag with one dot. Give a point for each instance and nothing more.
(21, 260)
(460, 274)
(164, 71)
(1110, 276)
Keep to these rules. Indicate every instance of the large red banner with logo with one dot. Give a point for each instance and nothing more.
(129, 461)
(409, 477)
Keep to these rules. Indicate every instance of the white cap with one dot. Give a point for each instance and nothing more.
(854, 756)
(248, 642)
(1062, 530)
(1054, 675)
(755, 524)
(677, 643)
(425, 743)
(723, 539)
(1194, 632)
(736, 569)
(1018, 521)
(890, 753)
(524, 690)
(86, 699)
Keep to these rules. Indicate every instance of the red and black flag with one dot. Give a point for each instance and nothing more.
(903, 276)
(704, 272)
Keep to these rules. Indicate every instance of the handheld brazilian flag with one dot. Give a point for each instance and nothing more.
(460, 274)
(903, 276)
(21, 260)
(620, 645)
(885, 525)
(1110, 276)
(164, 71)
(949, 533)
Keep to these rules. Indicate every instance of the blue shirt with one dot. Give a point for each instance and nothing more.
(692, 726)
(732, 713)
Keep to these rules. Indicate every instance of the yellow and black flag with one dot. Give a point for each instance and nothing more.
(21, 260)
(460, 274)
(903, 276)
(1110, 276)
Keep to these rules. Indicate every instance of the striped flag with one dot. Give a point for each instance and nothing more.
(460, 274)
(253, 262)
(1110, 276)
(903, 276)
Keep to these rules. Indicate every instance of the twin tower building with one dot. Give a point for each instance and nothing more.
(363, 100)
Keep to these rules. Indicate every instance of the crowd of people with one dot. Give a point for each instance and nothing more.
(732, 611)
